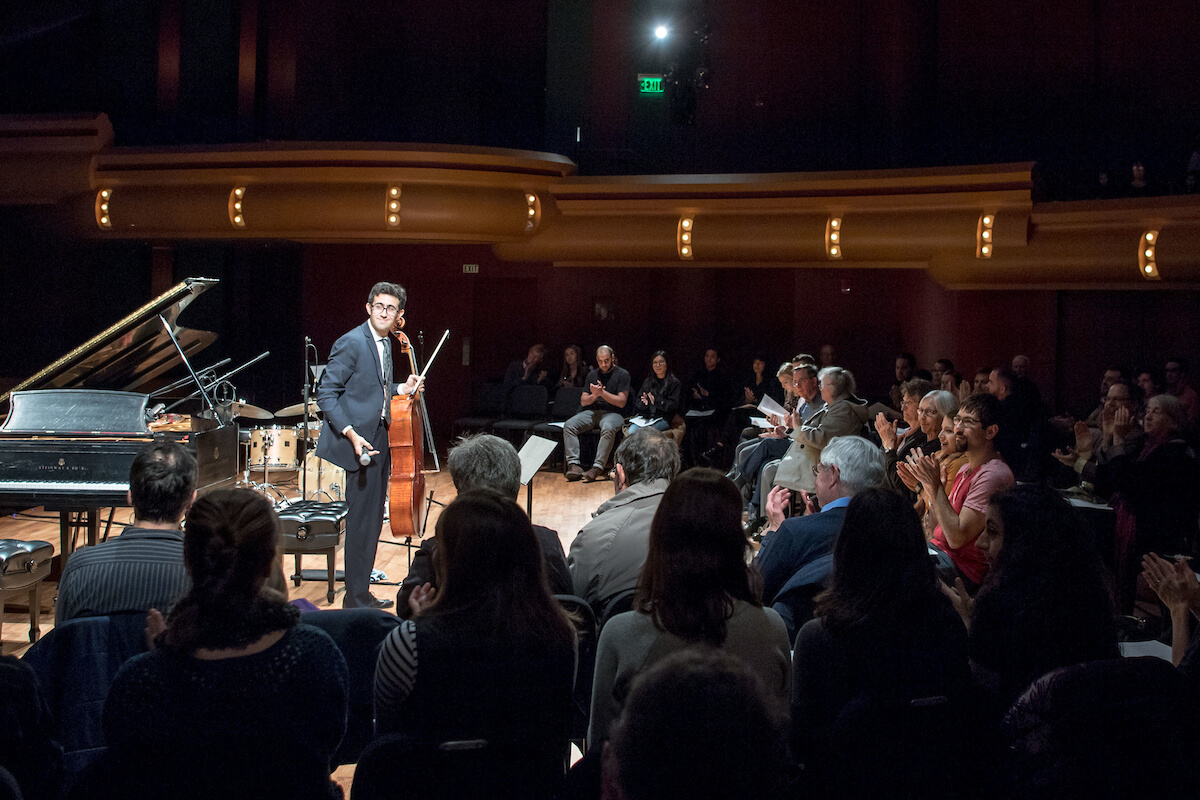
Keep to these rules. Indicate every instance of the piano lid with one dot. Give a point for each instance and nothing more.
(133, 351)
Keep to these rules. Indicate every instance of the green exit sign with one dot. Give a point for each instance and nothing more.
(650, 84)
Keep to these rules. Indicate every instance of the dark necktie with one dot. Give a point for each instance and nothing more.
(387, 382)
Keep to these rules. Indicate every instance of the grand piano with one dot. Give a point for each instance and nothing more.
(73, 429)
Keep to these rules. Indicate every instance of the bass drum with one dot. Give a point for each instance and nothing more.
(273, 447)
(324, 481)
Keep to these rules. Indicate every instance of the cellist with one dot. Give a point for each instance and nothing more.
(355, 398)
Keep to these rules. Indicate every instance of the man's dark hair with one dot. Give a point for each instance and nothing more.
(485, 461)
(810, 368)
(648, 455)
(947, 364)
(698, 724)
(909, 357)
(986, 406)
(161, 481)
(1181, 361)
(1007, 375)
(394, 289)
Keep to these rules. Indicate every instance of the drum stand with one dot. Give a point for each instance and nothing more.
(266, 487)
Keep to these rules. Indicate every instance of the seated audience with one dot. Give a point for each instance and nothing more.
(699, 725)
(27, 746)
(603, 406)
(484, 461)
(897, 443)
(1153, 491)
(1020, 367)
(1178, 589)
(797, 553)
(574, 368)
(237, 699)
(695, 589)
(940, 368)
(489, 654)
(960, 509)
(806, 391)
(1112, 374)
(949, 460)
(708, 399)
(1019, 441)
(1046, 603)
(659, 397)
(982, 376)
(753, 437)
(1118, 432)
(606, 557)
(886, 648)
(143, 567)
(1150, 381)
(529, 372)
(842, 415)
(906, 370)
(828, 357)
(1177, 385)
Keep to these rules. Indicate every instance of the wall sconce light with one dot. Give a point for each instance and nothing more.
(391, 206)
(1147, 263)
(237, 216)
(103, 218)
(534, 210)
(833, 237)
(684, 236)
(985, 235)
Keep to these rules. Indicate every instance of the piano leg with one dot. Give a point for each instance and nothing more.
(66, 533)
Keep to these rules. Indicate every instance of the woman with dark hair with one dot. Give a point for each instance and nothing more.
(695, 590)
(574, 369)
(489, 653)
(884, 635)
(1046, 602)
(236, 698)
(658, 399)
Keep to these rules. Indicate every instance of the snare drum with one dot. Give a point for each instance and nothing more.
(273, 447)
(324, 480)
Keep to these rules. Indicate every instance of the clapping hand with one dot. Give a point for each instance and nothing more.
(749, 395)
(961, 599)
(1122, 423)
(1083, 439)
(776, 507)
(595, 389)
(1174, 582)
(886, 430)
(421, 598)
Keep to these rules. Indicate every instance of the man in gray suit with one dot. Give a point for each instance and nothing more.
(355, 397)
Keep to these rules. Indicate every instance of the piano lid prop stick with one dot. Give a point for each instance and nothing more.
(171, 334)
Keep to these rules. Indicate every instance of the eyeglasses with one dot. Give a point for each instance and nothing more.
(966, 422)
(908, 403)
(388, 310)
(818, 468)
(927, 412)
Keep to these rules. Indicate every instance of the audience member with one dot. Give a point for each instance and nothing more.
(896, 443)
(606, 557)
(796, 553)
(1178, 589)
(1046, 602)
(694, 589)
(528, 372)
(1177, 384)
(948, 457)
(1019, 440)
(659, 397)
(806, 389)
(27, 747)
(483, 461)
(885, 647)
(905, 370)
(574, 368)
(237, 699)
(1112, 374)
(708, 399)
(940, 368)
(603, 406)
(1020, 367)
(960, 510)
(489, 654)
(1153, 491)
(842, 415)
(1119, 430)
(1151, 381)
(143, 567)
(982, 376)
(698, 724)
(828, 357)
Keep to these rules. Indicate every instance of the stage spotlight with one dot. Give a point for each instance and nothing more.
(1147, 263)
(661, 31)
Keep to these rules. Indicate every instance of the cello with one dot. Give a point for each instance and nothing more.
(406, 444)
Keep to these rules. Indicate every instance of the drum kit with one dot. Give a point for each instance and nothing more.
(288, 452)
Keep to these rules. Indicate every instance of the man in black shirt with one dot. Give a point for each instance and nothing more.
(603, 407)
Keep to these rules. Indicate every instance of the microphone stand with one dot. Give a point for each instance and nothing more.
(307, 393)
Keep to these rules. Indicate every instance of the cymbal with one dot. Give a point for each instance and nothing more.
(239, 410)
(298, 409)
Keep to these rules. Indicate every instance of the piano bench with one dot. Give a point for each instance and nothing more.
(310, 527)
(23, 567)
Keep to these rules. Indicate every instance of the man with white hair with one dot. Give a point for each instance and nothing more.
(797, 553)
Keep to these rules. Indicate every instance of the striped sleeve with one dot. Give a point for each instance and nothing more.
(396, 669)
